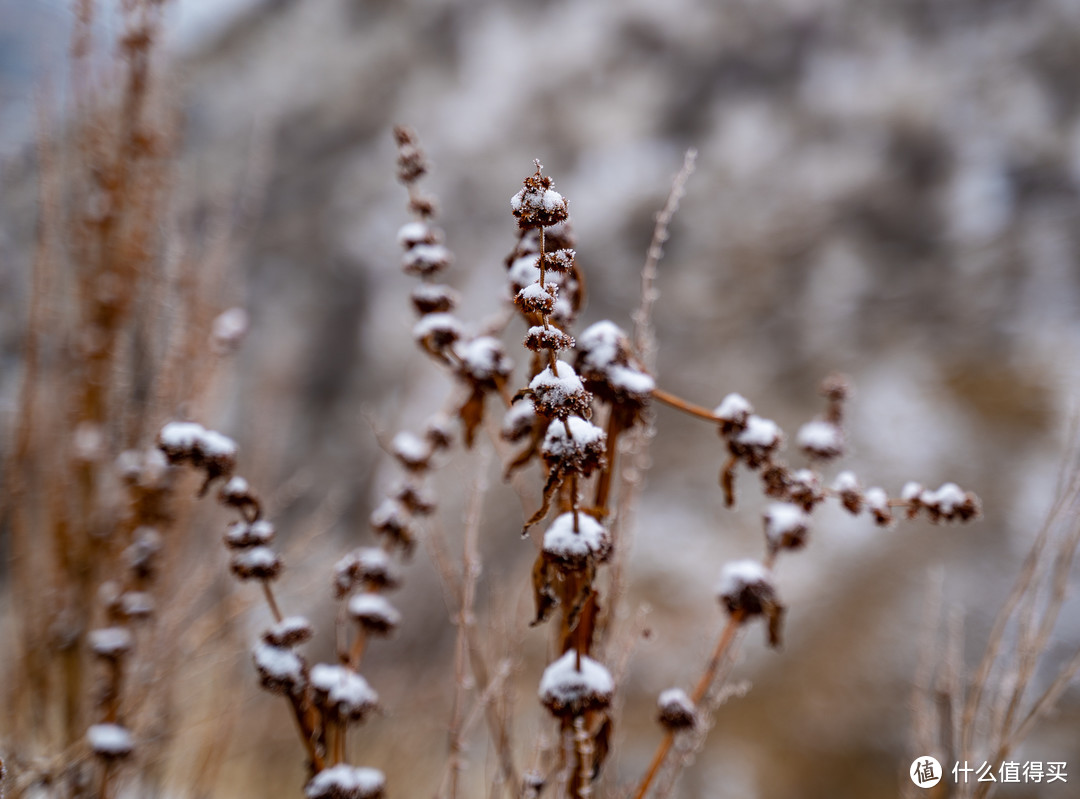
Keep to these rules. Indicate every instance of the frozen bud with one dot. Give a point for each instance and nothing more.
(179, 440)
(574, 445)
(547, 338)
(215, 453)
(410, 160)
(110, 741)
(237, 493)
(821, 439)
(877, 501)
(374, 613)
(746, 587)
(342, 691)
(733, 413)
(676, 710)
(575, 684)
(519, 420)
(836, 388)
(346, 782)
(483, 360)
(950, 503)
(606, 362)
(430, 298)
(537, 204)
(576, 539)
(142, 554)
(257, 563)
(228, 330)
(369, 566)
(537, 299)
(756, 443)
(439, 431)
(413, 233)
(911, 495)
(846, 486)
(786, 526)
(804, 488)
(110, 643)
(129, 465)
(437, 331)
(244, 535)
(281, 670)
(416, 498)
(423, 205)
(533, 783)
(391, 520)
(290, 631)
(560, 261)
(136, 604)
(560, 394)
(411, 451)
(89, 442)
(426, 260)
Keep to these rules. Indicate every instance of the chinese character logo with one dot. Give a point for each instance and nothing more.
(925, 772)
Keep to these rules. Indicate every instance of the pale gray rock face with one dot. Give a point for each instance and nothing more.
(885, 189)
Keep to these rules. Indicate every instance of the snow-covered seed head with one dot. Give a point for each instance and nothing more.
(228, 330)
(237, 493)
(580, 449)
(256, 563)
(877, 502)
(346, 782)
(110, 741)
(415, 497)
(675, 710)
(746, 587)
(568, 690)
(435, 332)
(483, 361)
(439, 431)
(537, 299)
(430, 298)
(950, 503)
(519, 421)
(836, 389)
(290, 631)
(142, 553)
(547, 338)
(537, 204)
(411, 451)
(426, 260)
(342, 692)
(560, 261)
(416, 232)
(179, 440)
(110, 643)
(136, 604)
(804, 488)
(821, 439)
(281, 670)
(245, 535)
(374, 613)
(607, 364)
(756, 442)
(559, 394)
(787, 526)
(411, 164)
(846, 485)
(369, 567)
(392, 521)
(733, 413)
(572, 544)
(911, 494)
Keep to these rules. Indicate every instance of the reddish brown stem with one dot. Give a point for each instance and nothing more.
(679, 404)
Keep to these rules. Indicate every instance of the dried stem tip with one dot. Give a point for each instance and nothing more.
(537, 204)
(746, 587)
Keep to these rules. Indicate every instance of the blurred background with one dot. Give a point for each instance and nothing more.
(885, 189)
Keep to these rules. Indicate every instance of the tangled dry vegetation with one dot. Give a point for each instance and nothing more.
(126, 343)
